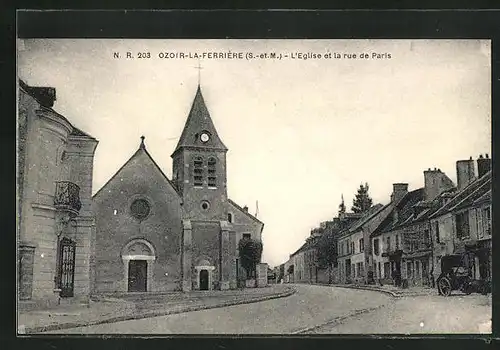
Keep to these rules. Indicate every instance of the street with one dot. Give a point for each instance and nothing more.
(319, 310)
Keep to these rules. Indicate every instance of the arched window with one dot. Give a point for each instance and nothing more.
(198, 171)
(212, 178)
(230, 217)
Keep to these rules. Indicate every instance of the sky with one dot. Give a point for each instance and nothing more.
(300, 132)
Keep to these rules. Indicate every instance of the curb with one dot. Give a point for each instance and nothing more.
(393, 294)
(54, 327)
(370, 289)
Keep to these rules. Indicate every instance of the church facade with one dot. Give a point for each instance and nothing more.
(155, 234)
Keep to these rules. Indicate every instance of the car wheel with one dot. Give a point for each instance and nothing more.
(444, 287)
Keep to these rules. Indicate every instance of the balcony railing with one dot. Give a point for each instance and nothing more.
(67, 196)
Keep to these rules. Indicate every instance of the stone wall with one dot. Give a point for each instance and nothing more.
(262, 274)
(194, 196)
(205, 246)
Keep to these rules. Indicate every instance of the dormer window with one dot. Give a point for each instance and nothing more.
(212, 178)
(198, 171)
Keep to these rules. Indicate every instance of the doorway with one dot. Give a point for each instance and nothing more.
(425, 273)
(137, 275)
(203, 280)
(66, 267)
(348, 270)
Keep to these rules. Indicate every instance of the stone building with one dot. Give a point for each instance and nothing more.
(345, 247)
(154, 234)
(388, 236)
(289, 268)
(305, 261)
(403, 238)
(296, 269)
(355, 246)
(462, 225)
(328, 274)
(54, 188)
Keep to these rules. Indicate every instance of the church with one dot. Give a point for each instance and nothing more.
(155, 234)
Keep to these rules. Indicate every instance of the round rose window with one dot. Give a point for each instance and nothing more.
(140, 209)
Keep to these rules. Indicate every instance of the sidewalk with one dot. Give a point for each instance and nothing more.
(135, 306)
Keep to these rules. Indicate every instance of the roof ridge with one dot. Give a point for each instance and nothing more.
(450, 205)
(243, 211)
(143, 149)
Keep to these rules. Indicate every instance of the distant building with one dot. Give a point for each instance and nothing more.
(281, 273)
(404, 241)
(289, 270)
(345, 247)
(55, 217)
(355, 258)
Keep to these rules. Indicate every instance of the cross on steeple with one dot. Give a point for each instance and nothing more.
(199, 67)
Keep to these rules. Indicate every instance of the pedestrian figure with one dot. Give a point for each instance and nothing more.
(431, 278)
(398, 278)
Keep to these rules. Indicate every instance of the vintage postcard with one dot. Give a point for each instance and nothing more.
(254, 186)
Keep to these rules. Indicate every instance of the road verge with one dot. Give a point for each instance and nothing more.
(154, 313)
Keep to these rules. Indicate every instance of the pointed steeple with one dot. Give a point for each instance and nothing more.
(198, 124)
(342, 205)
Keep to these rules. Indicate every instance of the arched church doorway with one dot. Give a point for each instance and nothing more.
(204, 275)
(138, 258)
(137, 275)
(204, 280)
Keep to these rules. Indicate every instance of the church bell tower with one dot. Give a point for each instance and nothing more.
(199, 165)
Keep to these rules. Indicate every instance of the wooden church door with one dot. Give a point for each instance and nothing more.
(137, 275)
(203, 280)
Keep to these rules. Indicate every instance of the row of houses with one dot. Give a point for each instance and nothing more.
(403, 241)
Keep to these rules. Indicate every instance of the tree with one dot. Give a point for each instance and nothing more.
(250, 254)
(362, 201)
(327, 251)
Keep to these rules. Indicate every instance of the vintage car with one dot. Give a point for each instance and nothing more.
(456, 274)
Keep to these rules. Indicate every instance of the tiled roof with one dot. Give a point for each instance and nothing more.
(484, 198)
(428, 208)
(366, 216)
(404, 210)
(142, 149)
(467, 196)
(244, 211)
(302, 248)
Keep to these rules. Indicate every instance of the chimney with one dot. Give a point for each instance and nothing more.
(465, 173)
(483, 165)
(245, 208)
(398, 191)
(45, 95)
(435, 182)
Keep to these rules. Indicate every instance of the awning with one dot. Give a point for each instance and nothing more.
(419, 254)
